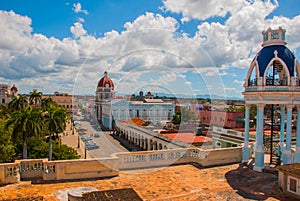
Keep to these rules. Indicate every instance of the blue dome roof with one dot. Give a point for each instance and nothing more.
(266, 54)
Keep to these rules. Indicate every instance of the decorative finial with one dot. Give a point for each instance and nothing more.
(276, 53)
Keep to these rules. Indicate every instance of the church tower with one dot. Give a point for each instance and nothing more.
(14, 91)
(104, 94)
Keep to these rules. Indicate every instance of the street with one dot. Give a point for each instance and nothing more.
(107, 144)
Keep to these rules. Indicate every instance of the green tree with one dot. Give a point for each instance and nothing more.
(18, 103)
(25, 123)
(176, 118)
(38, 148)
(55, 120)
(35, 98)
(4, 111)
(46, 103)
(7, 148)
(183, 116)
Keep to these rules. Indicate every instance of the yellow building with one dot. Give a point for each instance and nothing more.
(68, 101)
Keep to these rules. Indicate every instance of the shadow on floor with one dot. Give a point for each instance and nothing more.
(255, 185)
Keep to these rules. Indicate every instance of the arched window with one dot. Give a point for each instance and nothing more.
(252, 81)
(276, 75)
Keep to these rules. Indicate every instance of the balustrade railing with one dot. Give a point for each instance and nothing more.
(148, 159)
(32, 168)
(56, 170)
(49, 170)
(9, 173)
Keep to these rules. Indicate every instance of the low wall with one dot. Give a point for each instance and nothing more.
(108, 167)
(148, 159)
(89, 168)
(223, 156)
(31, 168)
(9, 173)
(158, 158)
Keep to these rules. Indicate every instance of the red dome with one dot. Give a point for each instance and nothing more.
(14, 88)
(106, 81)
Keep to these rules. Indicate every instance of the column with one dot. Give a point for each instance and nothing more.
(297, 152)
(246, 147)
(282, 128)
(259, 151)
(287, 153)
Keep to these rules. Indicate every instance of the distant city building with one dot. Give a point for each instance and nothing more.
(221, 118)
(68, 101)
(104, 95)
(109, 109)
(7, 92)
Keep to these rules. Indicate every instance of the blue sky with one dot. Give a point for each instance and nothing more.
(178, 47)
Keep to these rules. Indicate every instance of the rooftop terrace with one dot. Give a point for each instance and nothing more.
(183, 182)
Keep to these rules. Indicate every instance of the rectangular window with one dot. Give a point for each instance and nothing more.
(275, 35)
(266, 36)
(293, 185)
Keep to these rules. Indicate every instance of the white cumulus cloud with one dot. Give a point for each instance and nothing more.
(77, 9)
(148, 44)
(77, 30)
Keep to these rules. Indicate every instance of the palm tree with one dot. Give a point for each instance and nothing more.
(35, 98)
(46, 103)
(18, 103)
(25, 123)
(55, 120)
(4, 112)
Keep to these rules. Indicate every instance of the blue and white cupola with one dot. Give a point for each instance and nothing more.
(273, 79)
(274, 64)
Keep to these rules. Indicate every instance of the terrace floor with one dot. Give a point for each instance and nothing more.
(184, 182)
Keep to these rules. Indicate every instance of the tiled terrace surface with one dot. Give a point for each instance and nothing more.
(178, 183)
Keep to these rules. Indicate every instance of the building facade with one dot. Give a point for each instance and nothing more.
(221, 118)
(7, 92)
(68, 101)
(109, 109)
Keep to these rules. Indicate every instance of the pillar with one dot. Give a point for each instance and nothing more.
(246, 147)
(287, 153)
(282, 128)
(259, 151)
(297, 152)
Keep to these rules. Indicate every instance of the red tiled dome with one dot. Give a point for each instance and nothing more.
(106, 81)
(14, 88)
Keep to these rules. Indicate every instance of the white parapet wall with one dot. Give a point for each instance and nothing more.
(160, 158)
(83, 169)
(9, 173)
(109, 167)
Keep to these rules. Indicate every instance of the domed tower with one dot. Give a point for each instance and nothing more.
(14, 91)
(104, 94)
(272, 79)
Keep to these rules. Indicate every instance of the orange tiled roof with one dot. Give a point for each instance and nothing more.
(135, 121)
(188, 138)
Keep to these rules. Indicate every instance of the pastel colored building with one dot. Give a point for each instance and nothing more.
(109, 109)
(221, 118)
(6, 93)
(68, 101)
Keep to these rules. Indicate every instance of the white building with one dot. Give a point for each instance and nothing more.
(109, 109)
(6, 93)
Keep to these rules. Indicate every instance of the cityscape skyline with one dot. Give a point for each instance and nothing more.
(163, 46)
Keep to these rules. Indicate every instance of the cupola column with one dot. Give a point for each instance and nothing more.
(259, 151)
(246, 147)
(287, 154)
(297, 152)
(282, 128)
